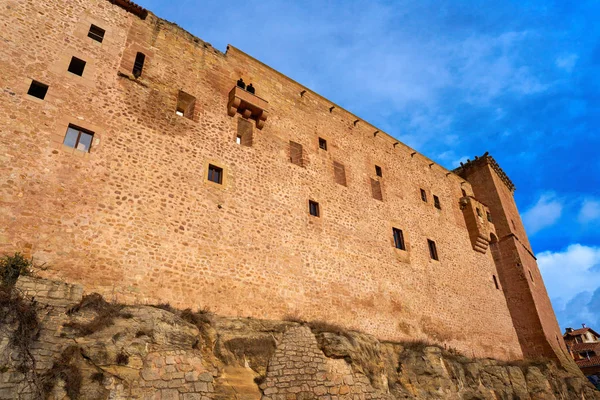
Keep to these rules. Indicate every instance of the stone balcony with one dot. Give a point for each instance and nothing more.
(479, 227)
(247, 104)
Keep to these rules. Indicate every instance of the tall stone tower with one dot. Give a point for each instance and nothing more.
(524, 289)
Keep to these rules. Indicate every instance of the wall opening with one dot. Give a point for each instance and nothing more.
(313, 208)
(432, 250)
(37, 89)
(398, 239)
(244, 136)
(376, 190)
(496, 282)
(96, 33)
(489, 216)
(296, 154)
(339, 172)
(78, 138)
(436, 202)
(378, 171)
(322, 144)
(423, 196)
(138, 64)
(76, 66)
(463, 192)
(215, 174)
(185, 105)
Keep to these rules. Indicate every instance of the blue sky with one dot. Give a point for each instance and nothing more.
(454, 79)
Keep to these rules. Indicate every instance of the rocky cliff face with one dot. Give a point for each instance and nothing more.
(88, 348)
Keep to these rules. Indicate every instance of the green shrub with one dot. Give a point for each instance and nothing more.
(11, 267)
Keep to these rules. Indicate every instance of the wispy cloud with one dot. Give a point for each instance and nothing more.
(544, 213)
(590, 211)
(567, 62)
(572, 277)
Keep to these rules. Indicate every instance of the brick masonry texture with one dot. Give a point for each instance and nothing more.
(137, 220)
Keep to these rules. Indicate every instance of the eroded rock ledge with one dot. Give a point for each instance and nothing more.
(91, 349)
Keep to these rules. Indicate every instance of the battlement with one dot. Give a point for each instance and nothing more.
(489, 160)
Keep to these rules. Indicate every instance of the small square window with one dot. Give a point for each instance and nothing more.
(185, 105)
(96, 33)
(436, 202)
(432, 250)
(78, 138)
(398, 239)
(313, 208)
(76, 66)
(296, 154)
(423, 196)
(215, 174)
(138, 64)
(37, 89)
(323, 144)
(378, 171)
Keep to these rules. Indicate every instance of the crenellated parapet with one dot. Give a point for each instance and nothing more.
(486, 159)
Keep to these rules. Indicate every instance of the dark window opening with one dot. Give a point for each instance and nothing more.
(244, 132)
(78, 138)
(398, 239)
(76, 66)
(138, 65)
(463, 192)
(513, 224)
(530, 275)
(313, 208)
(339, 172)
(323, 144)
(489, 216)
(436, 202)
(496, 282)
(376, 190)
(378, 171)
(423, 195)
(96, 33)
(37, 89)
(478, 212)
(432, 250)
(185, 105)
(296, 156)
(215, 174)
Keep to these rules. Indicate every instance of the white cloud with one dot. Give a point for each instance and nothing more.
(567, 62)
(590, 211)
(543, 214)
(572, 278)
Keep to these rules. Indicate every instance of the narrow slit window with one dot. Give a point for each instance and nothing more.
(378, 171)
(423, 196)
(463, 192)
(138, 65)
(513, 224)
(376, 190)
(38, 89)
(496, 282)
(340, 173)
(322, 144)
(185, 105)
(531, 276)
(215, 174)
(489, 216)
(78, 138)
(436, 202)
(96, 33)
(244, 134)
(478, 212)
(398, 239)
(313, 208)
(432, 250)
(76, 66)
(296, 154)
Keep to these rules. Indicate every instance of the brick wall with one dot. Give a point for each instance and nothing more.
(137, 220)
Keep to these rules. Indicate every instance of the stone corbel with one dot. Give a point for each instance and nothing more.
(247, 104)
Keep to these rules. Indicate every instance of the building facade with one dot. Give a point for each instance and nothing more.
(133, 163)
(584, 346)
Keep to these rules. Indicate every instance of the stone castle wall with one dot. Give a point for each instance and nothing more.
(137, 220)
